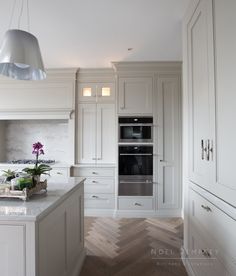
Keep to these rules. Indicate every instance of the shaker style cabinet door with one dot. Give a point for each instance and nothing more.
(201, 94)
(168, 143)
(12, 251)
(87, 133)
(225, 57)
(135, 95)
(96, 133)
(106, 129)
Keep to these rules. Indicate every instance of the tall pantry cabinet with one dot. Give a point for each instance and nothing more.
(210, 135)
(96, 139)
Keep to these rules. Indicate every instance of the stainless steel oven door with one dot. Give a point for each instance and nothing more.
(137, 185)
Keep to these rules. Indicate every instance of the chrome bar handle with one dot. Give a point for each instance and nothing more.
(207, 208)
(211, 149)
(202, 148)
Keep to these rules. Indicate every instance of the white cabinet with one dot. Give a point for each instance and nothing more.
(87, 133)
(135, 95)
(211, 85)
(135, 203)
(43, 241)
(168, 140)
(214, 248)
(99, 189)
(201, 93)
(224, 185)
(12, 250)
(96, 133)
(61, 237)
(96, 92)
(209, 74)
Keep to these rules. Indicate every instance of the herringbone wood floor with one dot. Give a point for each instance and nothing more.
(134, 247)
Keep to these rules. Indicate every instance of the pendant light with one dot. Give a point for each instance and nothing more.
(20, 56)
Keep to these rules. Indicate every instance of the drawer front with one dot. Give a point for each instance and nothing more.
(103, 172)
(99, 201)
(220, 227)
(99, 185)
(204, 257)
(135, 203)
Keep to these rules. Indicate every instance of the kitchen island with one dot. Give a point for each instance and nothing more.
(45, 235)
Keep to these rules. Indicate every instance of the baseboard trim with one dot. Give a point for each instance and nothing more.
(186, 262)
(147, 214)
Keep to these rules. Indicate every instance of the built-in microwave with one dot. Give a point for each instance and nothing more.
(135, 129)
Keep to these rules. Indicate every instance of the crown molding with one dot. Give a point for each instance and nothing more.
(96, 75)
(151, 67)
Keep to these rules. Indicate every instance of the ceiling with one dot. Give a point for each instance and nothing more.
(92, 33)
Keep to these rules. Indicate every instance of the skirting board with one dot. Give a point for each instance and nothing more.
(131, 213)
(186, 262)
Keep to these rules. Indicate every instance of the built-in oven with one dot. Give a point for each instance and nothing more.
(135, 129)
(136, 170)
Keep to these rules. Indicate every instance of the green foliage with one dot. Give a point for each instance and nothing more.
(38, 170)
(9, 174)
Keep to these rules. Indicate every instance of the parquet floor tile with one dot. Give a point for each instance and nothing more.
(133, 247)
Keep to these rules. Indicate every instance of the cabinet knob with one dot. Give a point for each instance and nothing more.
(60, 173)
(137, 204)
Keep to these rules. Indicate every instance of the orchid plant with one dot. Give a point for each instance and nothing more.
(38, 169)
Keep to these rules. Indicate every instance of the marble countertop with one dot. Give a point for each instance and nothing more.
(38, 205)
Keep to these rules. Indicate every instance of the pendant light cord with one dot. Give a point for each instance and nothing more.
(21, 12)
(12, 13)
(28, 16)
(20, 15)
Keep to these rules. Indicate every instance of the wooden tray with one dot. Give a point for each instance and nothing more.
(26, 193)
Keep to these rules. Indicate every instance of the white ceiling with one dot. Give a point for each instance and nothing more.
(92, 33)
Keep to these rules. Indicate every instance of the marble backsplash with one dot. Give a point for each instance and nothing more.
(21, 134)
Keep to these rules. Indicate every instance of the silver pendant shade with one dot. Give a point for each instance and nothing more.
(20, 56)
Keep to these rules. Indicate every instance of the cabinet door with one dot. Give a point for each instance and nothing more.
(105, 92)
(168, 141)
(87, 133)
(12, 250)
(225, 56)
(201, 92)
(106, 133)
(87, 92)
(135, 95)
(75, 227)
